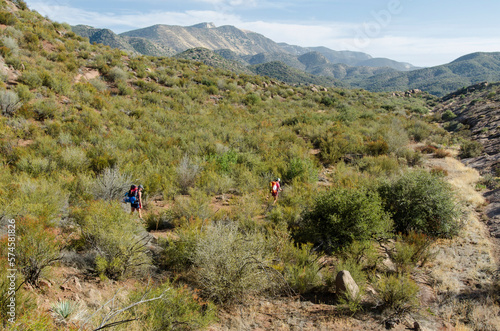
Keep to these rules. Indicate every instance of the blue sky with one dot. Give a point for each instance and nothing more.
(421, 32)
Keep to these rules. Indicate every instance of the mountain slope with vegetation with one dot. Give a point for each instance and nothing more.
(128, 44)
(81, 122)
(212, 59)
(208, 36)
(441, 80)
(355, 69)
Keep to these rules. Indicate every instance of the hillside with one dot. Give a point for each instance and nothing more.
(207, 36)
(279, 70)
(355, 69)
(128, 44)
(212, 59)
(440, 80)
(372, 201)
(476, 109)
(232, 43)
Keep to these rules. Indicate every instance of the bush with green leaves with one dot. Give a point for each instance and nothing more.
(36, 249)
(111, 184)
(177, 254)
(422, 202)
(229, 264)
(300, 265)
(448, 115)
(410, 251)
(117, 240)
(398, 293)
(9, 102)
(187, 171)
(470, 148)
(343, 215)
(41, 199)
(177, 308)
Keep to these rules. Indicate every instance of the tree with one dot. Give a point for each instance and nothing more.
(422, 202)
(343, 215)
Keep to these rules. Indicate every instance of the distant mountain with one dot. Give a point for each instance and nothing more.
(281, 71)
(386, 63)
(346, 57)
(129, 44)
(208, 36)
(288, 59)
(214, 60)
(355, 59)
(348, 74)
(245, 48)
(102, 36)
(440, 80)
(313, 59)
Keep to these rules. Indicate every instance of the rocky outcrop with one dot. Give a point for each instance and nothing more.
(477, 108)
(345, 285)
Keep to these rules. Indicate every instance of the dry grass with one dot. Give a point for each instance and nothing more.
(467, 260)
(462, 178)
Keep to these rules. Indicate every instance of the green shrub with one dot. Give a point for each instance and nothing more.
(301, 267)
(160, 221)
(412, 158)
(117, 240)
(470, 148)
(25, 304)
(252, 99)
(38, 198)
(7, 18)
(74, 159)
(177, 309)
(448, 115)
(411, 251)
(9, 102)
(196, 205)
(117, 74)
(178, 253)
(229, 264)
(379, 165)
(187, 171)
(421, 202)
(111, 185)
(36, 249)
(398, 293)
(342, 215)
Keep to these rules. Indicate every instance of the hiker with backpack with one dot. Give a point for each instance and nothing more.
(275, 189)
(134, 197)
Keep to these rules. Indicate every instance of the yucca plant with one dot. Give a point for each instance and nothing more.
(65, 308)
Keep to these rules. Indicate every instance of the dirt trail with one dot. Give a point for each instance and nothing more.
(467, 261)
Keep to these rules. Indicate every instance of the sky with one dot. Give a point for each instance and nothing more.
(421, 32)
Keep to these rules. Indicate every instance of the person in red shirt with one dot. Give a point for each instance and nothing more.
(275, 189)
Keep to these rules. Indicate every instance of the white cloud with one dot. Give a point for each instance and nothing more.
(394, 42)
(230, 3)
(430, 51)
(124, 22)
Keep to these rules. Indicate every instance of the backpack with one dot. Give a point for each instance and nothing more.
(131, 196)
(274, 187)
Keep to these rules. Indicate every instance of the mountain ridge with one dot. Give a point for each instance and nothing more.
(355, 69)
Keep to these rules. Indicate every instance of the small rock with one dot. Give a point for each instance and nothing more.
(64, 288)
(78, 286)
(345, 284)
(44, 283)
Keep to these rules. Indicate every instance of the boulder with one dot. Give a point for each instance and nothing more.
(345, 285)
